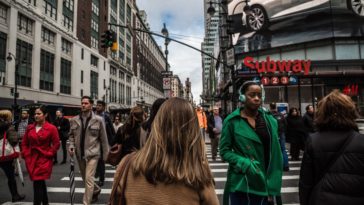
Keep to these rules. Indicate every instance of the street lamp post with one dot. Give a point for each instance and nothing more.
(9, 58)
(167, 40)
(226, 42)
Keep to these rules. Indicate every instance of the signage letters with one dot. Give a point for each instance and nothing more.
(271, 66)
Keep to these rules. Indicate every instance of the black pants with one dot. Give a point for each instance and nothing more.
(295, 151)
(40, 193)
(100, 170)
(64, 150)
(8, 168)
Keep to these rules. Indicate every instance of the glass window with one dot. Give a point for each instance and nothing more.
(94, 42)
(66, 46)
(24, 52)
(25, 25)
(48, 36)
(94, 61)
(3, 53)
(68, 4)
(68, 22)
(94, 84)
(346, 52)
(65, 85)
(3, 13)
(81, 76)
(50, 8)
(46, 71)
(320, 53)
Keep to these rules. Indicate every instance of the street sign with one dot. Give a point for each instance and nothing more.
(275, 80)
(167, 73)
(265, 81)
(166, 83)
(293, 80)
(230, 57)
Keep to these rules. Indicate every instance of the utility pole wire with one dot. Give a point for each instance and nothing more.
(171, 39)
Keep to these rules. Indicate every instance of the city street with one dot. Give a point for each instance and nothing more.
(58, 185)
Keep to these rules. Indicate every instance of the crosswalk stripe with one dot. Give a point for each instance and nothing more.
(291, 177)
(218, 179)
(294, 168)
(218, 164)
(289, 190)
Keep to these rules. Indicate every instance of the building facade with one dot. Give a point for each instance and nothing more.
(56, 47)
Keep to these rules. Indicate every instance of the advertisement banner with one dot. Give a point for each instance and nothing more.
(268, 24)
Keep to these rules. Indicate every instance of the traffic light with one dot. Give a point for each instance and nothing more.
(106, 39)
(114, 46)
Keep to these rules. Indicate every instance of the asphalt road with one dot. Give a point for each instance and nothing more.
(58, 185)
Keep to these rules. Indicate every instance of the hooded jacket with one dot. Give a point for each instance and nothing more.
(242, 148)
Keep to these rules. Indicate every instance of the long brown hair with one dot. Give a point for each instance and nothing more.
(175, 151)
(336, 111)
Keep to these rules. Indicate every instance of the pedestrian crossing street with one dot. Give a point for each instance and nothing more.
(59, 191)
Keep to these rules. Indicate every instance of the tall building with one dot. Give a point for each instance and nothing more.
(176, 86)
(42, 41)
(149, 61)
(208, 46)
(57, 49)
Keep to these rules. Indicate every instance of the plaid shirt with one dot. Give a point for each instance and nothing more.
(22, 128)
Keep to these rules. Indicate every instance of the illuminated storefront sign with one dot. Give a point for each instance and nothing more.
(283, 66)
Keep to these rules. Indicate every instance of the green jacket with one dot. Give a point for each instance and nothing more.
(242, 148)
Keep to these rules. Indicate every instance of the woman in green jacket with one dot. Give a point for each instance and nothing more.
(249, 143)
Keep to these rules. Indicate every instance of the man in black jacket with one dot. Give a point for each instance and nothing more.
(63, 126)
(214, 127)
(100, 110)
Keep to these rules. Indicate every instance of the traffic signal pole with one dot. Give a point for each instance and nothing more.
(170, 39)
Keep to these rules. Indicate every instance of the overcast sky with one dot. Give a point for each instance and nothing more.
(184, 21)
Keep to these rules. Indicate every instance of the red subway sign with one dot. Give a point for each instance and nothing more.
(283, 66)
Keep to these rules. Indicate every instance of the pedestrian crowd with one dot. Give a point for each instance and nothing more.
(161, 158)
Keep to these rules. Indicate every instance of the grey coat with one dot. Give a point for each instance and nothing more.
(95, 137)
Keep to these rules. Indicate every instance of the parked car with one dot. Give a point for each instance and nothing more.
(360, 123)
(263, 12)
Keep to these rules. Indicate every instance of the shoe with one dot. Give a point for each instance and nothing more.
(286, 169)
(18, 197)
(95, 198)
(55, 162)
(100, 183)
(213, 158)
(64, 162)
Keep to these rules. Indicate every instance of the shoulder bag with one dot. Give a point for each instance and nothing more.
(118, 197)
(114, 155)
(7, 152)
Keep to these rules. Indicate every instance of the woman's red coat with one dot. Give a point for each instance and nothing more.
(38, 150)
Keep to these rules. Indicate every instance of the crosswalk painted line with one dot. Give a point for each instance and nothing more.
(290, 177)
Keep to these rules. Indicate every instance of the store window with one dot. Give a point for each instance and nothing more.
(320, 53)
(94, 61)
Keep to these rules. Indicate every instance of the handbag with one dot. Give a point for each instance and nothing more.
(8, 152)
(114, 156)
(118, 198)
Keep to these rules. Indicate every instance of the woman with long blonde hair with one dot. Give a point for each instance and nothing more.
(171, 168)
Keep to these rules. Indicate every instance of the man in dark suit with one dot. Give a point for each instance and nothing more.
(63, 126)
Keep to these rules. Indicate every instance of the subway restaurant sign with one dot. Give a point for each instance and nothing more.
(282, 66)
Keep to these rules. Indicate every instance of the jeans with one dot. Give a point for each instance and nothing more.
(282, 141)
(8, 168)
(241, 198)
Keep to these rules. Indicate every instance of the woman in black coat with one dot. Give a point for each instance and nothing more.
(296, 133)
(329, 176)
